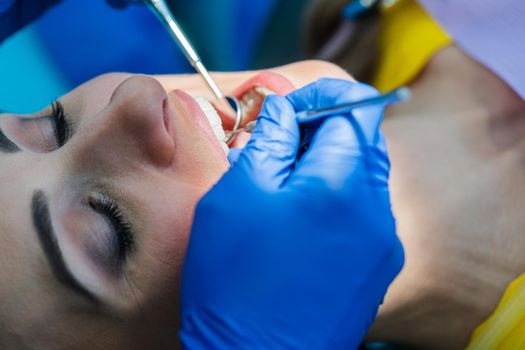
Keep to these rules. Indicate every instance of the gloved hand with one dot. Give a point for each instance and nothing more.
(294, 254)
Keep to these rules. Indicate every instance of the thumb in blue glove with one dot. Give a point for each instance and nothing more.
(303, 257)
(273, 145)
(343, 139)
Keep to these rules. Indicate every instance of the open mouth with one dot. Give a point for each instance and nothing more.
(251, 96)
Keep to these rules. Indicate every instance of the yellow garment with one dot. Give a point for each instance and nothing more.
(409, 37)
(505, 329)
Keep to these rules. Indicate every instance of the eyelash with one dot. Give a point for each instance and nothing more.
(123, 229)
(63, 130)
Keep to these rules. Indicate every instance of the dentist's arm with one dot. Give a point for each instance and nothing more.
(295, 255)
(15, 14)
(124, 3)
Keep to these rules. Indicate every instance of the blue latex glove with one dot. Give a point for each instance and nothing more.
(294, 254)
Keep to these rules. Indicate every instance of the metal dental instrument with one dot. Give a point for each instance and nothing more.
(161, 9)
(317, 115)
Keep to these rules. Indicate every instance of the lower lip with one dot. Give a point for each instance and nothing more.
(197, 115)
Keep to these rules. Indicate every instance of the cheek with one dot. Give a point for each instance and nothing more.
(196, 160)
(169, 228)
(177, 226)
(199, 165)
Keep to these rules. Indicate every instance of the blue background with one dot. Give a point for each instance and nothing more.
(78, 40)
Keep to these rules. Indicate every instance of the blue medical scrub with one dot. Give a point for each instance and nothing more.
(78, 40)
(88, 38)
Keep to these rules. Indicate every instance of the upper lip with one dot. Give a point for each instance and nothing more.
(272, 81)
(193, 110)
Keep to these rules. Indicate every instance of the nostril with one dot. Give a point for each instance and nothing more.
(165, 114)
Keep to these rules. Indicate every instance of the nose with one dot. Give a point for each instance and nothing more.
(135, 123)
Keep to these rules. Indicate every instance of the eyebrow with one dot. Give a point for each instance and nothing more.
(49, 244)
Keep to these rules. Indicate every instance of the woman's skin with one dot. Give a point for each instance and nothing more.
(136, 161)
(457, 191)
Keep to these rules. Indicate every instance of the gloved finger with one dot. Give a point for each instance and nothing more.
(340, 147)
(270, 155)
(328, 92)
(234, 154)
(5, 4)
(321, 93)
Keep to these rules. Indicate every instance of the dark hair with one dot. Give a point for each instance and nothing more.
(350, 44)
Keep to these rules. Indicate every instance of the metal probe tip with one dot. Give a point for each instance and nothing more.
(403, 94)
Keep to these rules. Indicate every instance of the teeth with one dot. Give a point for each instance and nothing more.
(251, 103)
(214, 120)
(253, 99)
(249, 100)
(264, 91)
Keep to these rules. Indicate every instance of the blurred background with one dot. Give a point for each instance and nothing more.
(78, 40)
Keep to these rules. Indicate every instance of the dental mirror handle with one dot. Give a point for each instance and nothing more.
(162, 11)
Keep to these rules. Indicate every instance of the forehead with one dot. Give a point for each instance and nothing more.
(94, 95)
(24, 286)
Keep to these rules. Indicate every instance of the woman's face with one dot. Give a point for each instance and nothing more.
(99, 194)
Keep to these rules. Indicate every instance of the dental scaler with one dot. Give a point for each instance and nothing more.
(310, 120)
(316, 116)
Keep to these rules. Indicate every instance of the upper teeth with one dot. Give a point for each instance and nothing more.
(264, 91)
(214, 119)
(253, 99)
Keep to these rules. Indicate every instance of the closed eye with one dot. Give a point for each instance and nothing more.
(41, 133)
(124, 238)
(63, 129)
(7, 145)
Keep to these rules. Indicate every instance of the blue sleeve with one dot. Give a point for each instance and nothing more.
(21, 13)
